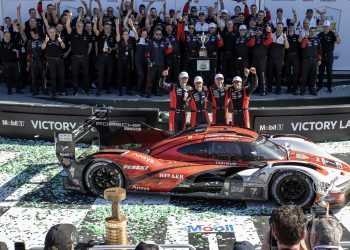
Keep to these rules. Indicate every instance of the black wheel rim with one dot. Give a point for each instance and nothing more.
(105, 177)
(293, 190)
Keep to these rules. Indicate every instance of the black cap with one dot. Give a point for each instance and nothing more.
(243, 245)
(279, 10)
(147, 246)
(201, 14)
(61, 236)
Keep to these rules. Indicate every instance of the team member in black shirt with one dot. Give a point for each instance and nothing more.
(327, 38)
(9, 54)
(81, 46)
(107, 44)
(292, 61)
(36, 61)
(54, 47)
(126, 46)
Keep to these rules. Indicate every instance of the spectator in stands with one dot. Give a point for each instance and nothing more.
(61, 237)
(327, 38)
(323, 233)
(287, 229)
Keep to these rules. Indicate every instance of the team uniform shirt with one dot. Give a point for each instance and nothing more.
(277, 46)
(80, 43)
(198, 104)
(156, 52)
(7, 54)
(191, 45)
(111, 42)
(294, 44)
(327, 42)
(229, 40)
(125, 51)
(171, 39)
(311, 48)
(54, 49)
(201, 27)
(35, 53)
(220, 99)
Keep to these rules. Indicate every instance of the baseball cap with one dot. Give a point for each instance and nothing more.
(291, 27)
(147, 246)
(212, 25)
(183, 74)
(198, 79)
(224, 11)
(242, 27)
(243, 245)
(219, 76)
(279, 10)
(61, 236)
(237, 79)
(327, 23)
(201, 14)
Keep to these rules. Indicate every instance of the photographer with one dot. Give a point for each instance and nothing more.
(287, 229)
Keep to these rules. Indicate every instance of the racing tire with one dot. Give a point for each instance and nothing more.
(293, 187)
(101, 175)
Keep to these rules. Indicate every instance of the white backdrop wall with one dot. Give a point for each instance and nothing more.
(337, 11)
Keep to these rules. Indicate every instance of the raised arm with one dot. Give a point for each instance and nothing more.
(122, 6)
(19, 18)
(95, 29)
(133, 29)
(295, 17)
(46, 23)
(254, 84)
(163, 84)
(286, 43)
(87, 10)
(117, 23)
(55, 13)
(126, 19)
(68, 27)
(44, 44)
(222, 5)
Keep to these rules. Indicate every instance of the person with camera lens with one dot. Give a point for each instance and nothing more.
(286, 229)
(219, 97)
(198, 103)
(240, 96)
(179, 94)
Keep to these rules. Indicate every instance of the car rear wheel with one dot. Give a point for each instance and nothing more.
(292, 187)
(101, 175)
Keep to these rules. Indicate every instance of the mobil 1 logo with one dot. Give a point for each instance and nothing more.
(214, 236)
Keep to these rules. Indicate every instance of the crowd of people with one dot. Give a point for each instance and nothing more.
(288, 229)
(129, 47)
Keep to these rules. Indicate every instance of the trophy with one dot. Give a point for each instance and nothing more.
(203, 39)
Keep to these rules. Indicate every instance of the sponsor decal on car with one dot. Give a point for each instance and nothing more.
(227, 163)
(171, 176)
(194, 228)
(124, 125)
(133, 167)
(301, 156)
(13, 123)
(143, 157)
(139, 188)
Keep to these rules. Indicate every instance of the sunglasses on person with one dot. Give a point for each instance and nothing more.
(193, 10)
(191, 28)
(158, 34)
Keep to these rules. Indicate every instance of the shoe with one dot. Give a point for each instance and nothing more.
(85, 92)
(108, 91)
(45, 92)
(54, 95)
(9, 92)
(98, 93)
(269, 89)
(302, 92)
(19, 92)
(62, 93)
(128, 92)
(313, 93)
(75, 93)
(148, 96)
(330, 90)
(318, 89)
(263, 93)
(138, 94)
(278, 91)
(120, 93)
(35, 93)
(295, 92)
(289, 91)
(93, 85)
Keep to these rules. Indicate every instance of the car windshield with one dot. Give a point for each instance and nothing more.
(263, 149)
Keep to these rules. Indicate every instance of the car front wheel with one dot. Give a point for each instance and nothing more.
(101, 175)
(292, 187)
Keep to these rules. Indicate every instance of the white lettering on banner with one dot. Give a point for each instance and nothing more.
(52, 125)
(311, 126)
(13, 123)
(274, 127)
(209, 228)
(345, 126)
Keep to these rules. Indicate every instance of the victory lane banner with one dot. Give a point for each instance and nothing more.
(41, 121)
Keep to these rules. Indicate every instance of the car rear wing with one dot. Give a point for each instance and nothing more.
(106, 133)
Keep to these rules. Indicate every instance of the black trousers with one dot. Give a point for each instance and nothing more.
(155, 75)
(141, 69)
(11, 72)
(228, 64)
(124, 73)
(80, 64)
(37, 72)
(56, 73)
(260, 64)
(292, 71)
(238, 119)
(173, 63)
(308, 73)
(241, 64)
(326, 65)
(104, 66)
(274, 72)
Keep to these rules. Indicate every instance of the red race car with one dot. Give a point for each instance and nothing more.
(215, 162)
